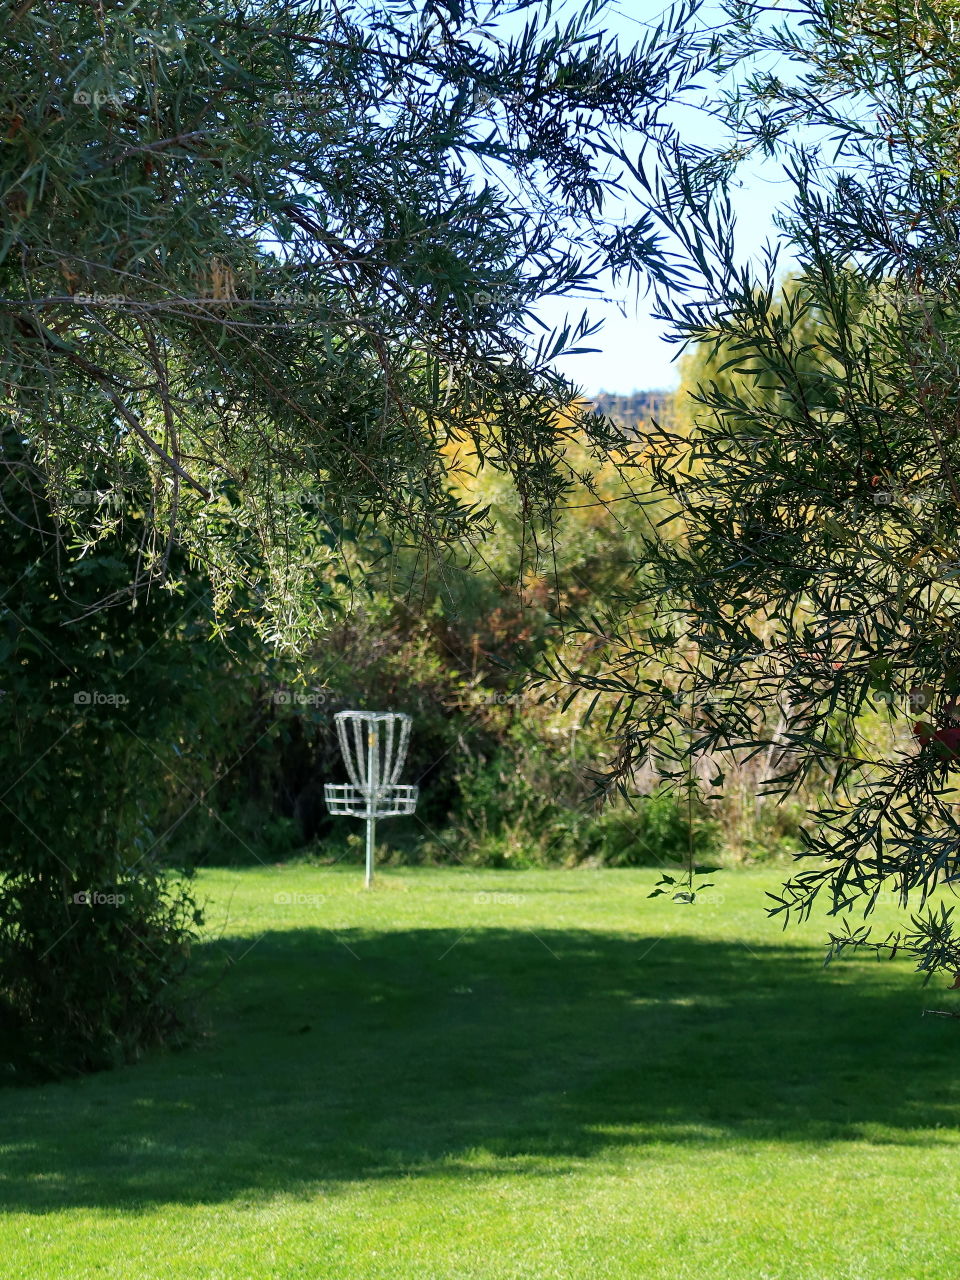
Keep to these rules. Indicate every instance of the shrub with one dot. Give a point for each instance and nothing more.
(98, 686)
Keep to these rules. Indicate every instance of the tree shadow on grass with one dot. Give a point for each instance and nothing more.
(332, 1058)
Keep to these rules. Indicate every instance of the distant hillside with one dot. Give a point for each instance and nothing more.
(637, 407)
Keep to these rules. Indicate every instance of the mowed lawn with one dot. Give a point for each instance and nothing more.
(467, 1075)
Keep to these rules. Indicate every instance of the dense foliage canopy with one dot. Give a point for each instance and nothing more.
(284, 252)
(807, 587)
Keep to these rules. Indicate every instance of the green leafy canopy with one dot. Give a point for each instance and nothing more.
(806, 583)
(284, 252)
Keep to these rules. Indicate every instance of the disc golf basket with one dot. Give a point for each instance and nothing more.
(374, 747)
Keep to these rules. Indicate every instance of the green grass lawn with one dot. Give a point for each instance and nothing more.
(464, 1075)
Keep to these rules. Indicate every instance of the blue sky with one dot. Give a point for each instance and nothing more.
(634, 354)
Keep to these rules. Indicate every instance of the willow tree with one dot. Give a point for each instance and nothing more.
(284, 252)
(809, 579)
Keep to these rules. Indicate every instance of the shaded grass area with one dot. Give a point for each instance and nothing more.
(505, 1075)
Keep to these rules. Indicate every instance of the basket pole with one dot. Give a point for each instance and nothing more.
(372, 764)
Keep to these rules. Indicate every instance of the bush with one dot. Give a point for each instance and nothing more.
(654, 830)
(98, 688)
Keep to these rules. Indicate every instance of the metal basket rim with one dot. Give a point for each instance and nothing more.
(395, 799)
